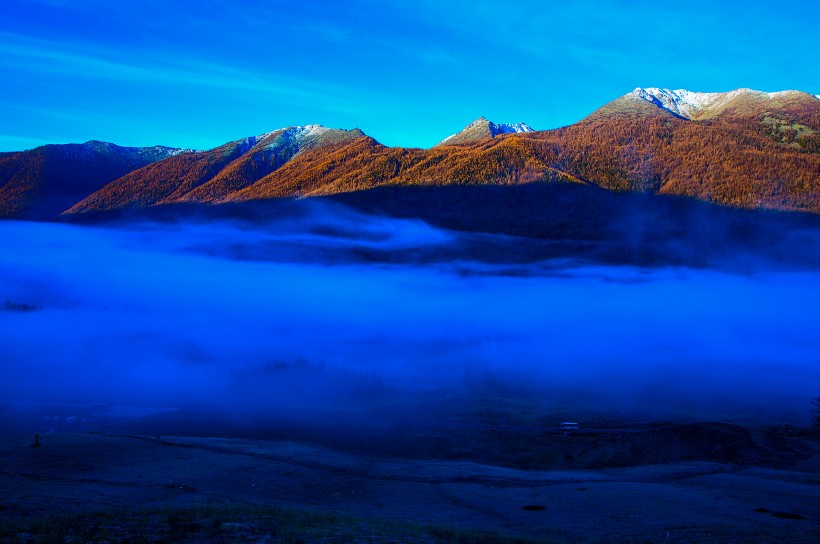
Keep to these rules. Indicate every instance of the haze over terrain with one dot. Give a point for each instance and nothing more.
(300, 311)
(632, 260)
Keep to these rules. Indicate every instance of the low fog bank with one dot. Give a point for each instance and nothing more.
(586, 222)
(335, 313)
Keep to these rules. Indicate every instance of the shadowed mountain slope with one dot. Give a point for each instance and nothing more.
(539, 222)
(42, 182)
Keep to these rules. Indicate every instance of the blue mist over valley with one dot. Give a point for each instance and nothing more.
(309, 313)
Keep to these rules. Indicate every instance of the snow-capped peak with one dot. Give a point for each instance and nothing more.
(483, 128)
(155, 152)
(505, 128)
(680, 102)
(781, 93)
(689, 104)
(299, 132)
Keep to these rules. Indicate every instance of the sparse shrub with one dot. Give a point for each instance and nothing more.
(11, 306)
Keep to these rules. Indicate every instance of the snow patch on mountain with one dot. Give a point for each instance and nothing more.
(688, 104)
(680, 102)
(296, 134)
(494, 128)
(93, 148)
(309, 131)
(500, 128)
(246, 144)
(299, 132)
(504, 128)
(782, 93)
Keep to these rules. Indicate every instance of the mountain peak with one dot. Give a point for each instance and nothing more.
(297, 131)
(306, 135)
(211, 175)
(153, 153)
(696, 105)
(482, 128)
(680, 102)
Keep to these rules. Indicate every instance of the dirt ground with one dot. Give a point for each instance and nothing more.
(685, 501)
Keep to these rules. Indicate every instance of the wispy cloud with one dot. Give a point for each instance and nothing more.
(610, 37)
(19, 143)
(21, 53)
(399, 70)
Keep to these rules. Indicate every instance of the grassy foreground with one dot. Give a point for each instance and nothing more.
(226, 524)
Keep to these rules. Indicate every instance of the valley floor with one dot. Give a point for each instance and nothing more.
(146, 488)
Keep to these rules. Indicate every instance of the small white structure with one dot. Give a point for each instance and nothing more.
(569, 426)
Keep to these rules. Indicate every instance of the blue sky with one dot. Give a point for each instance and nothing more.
(197, 74)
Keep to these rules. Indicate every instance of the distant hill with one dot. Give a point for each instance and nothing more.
(42, 182)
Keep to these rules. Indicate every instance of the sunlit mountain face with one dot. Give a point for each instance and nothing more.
(744, 149)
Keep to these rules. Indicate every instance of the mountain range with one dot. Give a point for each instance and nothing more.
(744, 149)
